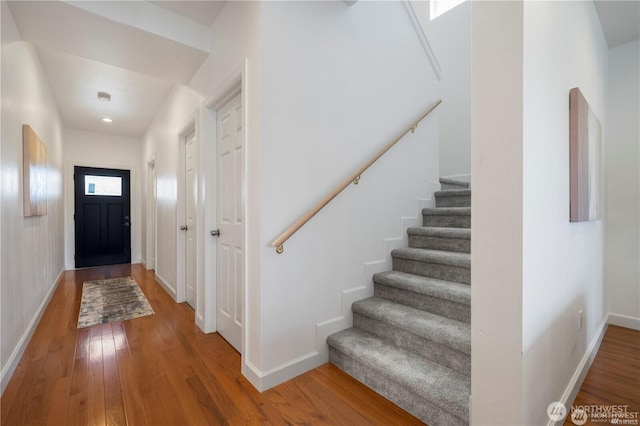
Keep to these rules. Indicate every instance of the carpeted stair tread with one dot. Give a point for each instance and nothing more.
(432, 231)
(454, 182)
(454, 334)
(440, 385)
(450, 258)
(453, 193)
(446, 211)
(447, 290)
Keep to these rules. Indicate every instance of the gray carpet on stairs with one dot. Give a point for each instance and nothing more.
(453, 198)
(445, 298)
(447, 239)
(441, 386)
(434, 337)
(453, 184)
(411, 342)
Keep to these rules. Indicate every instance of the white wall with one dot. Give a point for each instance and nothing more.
(235, 39)
(338, 83)
(161, 141)
(532, 269)
(450, 37)
(90, 149)
(497, 219)
(564, 47)
(32, 248)
(622, 168)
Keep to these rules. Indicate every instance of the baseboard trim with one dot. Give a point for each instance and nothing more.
(624, 321)
(200, 322)
(575, 383)
(263, 380)
(16, 355)
(166, 286)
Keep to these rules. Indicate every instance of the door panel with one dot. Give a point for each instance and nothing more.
(102, 216)
(190, 217)
(230, 180)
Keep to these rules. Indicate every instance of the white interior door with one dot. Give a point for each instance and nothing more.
(230, 178)
(190, 219)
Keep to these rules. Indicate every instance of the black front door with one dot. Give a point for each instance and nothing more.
(102, 216)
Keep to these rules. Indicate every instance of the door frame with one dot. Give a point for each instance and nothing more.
(69, 207)
(181, 240)
(234, 84)
(152, 215)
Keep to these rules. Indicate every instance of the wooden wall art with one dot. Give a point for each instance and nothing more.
(585, 134)
(34, 173)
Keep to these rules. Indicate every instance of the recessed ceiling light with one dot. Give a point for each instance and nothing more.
(104, 96)
(107, 120)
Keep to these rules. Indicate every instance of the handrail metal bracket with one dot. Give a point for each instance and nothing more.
(356, 180)
(280, 249)
(413, 129)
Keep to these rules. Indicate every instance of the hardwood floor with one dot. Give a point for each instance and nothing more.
(614, 376)
(162, 370)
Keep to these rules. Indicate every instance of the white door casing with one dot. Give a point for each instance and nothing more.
(151, 249)
(230, 214)
(190, 206)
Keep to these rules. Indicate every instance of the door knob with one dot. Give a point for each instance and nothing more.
(215, 233)
(184, 228)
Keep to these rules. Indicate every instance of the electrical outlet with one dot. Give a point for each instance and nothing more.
(580, 320)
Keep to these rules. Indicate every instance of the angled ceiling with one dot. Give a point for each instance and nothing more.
(204, 12)
(137, 50)
(75, 80)
(620, 20)
(134, 50)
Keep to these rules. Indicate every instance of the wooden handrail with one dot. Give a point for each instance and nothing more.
(278, 243)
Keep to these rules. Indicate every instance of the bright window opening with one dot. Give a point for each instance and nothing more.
(111, 186)
(439, 7)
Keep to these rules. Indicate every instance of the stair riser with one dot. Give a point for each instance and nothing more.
(448, 186)
(433, 270)
(445, 308)
(434, 351)
(460, 245)
(417, 406)
(457, 201)
(449, 221)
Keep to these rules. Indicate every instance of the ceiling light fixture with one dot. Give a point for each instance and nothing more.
(104, 96)
(107, 120)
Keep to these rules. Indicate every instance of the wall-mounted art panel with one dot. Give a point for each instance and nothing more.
(585, 135)
(34, 173)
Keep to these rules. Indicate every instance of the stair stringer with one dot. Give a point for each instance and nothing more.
(348, 296)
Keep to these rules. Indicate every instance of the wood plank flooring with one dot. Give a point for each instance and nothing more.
(162, 370)
(614, 376)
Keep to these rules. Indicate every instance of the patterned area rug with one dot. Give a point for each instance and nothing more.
(105, 301)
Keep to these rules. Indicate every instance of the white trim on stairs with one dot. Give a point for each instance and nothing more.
(263, 380)
(422, 37)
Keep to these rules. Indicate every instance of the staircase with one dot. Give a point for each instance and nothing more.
(411, 341)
